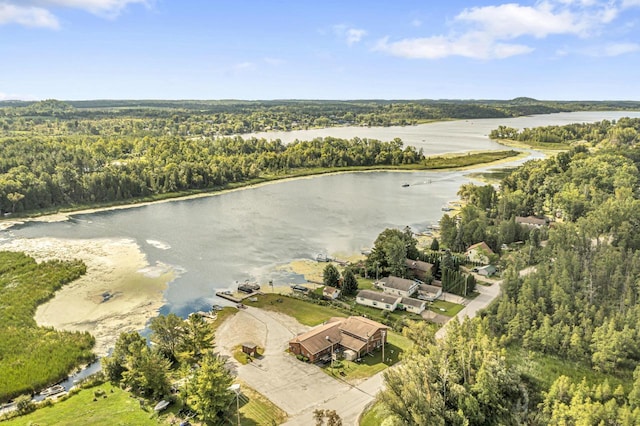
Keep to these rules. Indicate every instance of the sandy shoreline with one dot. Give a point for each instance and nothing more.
(114, 266)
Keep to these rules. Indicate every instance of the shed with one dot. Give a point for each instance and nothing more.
(250, 349)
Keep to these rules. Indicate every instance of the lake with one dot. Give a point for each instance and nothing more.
(215, 241)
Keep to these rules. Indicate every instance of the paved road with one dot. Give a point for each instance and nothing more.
(300, 388)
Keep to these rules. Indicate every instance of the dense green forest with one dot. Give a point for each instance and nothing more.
(33, 357)
(51, 158)
(621, 133)
(578, 310)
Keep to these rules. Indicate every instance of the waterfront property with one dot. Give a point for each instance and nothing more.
(330, 293)
(397, 286)
(354, 335)
(429, 292)
(420, 270)
(415, 306)
(479, 253)
(378, 300)
(531, 221)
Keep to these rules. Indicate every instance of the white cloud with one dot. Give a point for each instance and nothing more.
(28, 16)
(98, 7)
(472, 45)
(350, 35)
(618, 49)
(490, 32)
(630, 3)
(39, 13)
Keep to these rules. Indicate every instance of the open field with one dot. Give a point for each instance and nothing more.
(305, 312)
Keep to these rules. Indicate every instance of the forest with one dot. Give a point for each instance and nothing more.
(578, 310)
(51, 157)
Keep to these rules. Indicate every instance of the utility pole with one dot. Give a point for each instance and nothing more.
(383, 332)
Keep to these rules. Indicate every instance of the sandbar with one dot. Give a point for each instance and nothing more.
(119, 292)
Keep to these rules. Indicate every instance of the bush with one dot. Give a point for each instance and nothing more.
(24, 404)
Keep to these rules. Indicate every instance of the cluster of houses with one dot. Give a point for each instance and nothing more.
(402, 293)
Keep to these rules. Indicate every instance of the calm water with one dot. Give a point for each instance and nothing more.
(247, 234)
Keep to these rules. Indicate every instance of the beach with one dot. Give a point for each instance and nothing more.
(119, 292)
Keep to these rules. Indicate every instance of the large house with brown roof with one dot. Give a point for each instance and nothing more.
(357, 334)
(420, 270)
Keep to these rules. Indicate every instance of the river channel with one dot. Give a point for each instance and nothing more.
(247, 234)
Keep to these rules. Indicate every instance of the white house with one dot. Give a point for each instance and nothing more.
(330, 292)
(397, 286)
(479, 253)
(413, 305)
(378, 300)
(429, 292)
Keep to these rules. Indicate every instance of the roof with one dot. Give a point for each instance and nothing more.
(480, 246)
(378, 297)
(531, 220)
(397, 283)
(315, 340)
(361, 327)
(490, 269)
(410, 301)
(426, 288)
(419, 265)
(329, 291)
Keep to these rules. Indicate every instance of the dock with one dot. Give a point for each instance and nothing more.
(236, 299)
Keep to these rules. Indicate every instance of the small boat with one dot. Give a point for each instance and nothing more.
(404, 185)
(53, 390)
(161, 405)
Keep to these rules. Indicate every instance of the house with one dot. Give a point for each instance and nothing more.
(358, 335)
(397, 286)
(410, 304)
(429, 292)
(331, 293)
(479, 253)
(421, 270)
(531, 221)
(487, 271)
(378, 300)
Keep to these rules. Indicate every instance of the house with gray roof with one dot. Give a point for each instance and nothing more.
(388, 302)
(397, 286)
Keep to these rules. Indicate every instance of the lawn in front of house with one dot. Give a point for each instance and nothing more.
(371, 364)
(306, 312)
(255, 409)
(447, 309)
(374, 416)
(112, 406)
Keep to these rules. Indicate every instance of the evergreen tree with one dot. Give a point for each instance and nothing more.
(331, 275)
(349, 283)
(208, 391)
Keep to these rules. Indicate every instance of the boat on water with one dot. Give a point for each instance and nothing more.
(53, 390)
(404, 185)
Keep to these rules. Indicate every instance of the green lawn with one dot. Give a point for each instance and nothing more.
(371, 364)
(374, 416)
(118, 408)
(450, 309)
(306, 313)
(365, 283)
(255, 409)
(222, 315)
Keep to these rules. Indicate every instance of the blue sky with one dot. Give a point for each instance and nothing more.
(279, 49)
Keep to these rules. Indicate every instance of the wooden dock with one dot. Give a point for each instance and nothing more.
(235, 299)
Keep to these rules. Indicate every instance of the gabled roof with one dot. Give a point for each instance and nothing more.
(409, 301)
(480, 246)
(427, 288)
(361, 327)
(378, 297)
(315, 340)
(329, 291)
(352, 333)
(397, 283)
(489, 269)
(418, 265)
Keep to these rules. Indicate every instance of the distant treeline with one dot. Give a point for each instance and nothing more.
(623, 132)
(235, 117)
